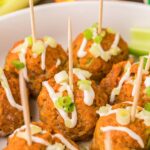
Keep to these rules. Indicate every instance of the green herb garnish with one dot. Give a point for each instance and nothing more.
(18, 65)
(88, 34)
(95, 25)
(110, 30)
(38, 47)
(147, 91)
(98, 39)
(103, 33)
(84, 84)
(65, 103)
(147, 107)
(69, 108)
(29, 40)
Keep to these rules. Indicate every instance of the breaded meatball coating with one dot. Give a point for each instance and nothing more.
(41, 140)
(10, 116)
(98, 52)
(125, 72)
(42, 60)
(124, 134)
(83, 113)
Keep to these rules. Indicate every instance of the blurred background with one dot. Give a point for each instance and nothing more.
(8, 6)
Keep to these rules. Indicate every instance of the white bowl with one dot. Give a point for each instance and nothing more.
(51, 19)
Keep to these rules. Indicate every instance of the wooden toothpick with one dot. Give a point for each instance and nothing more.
(25, 104)
(32, 20)
(70, 54)
(108, 142)
(100, 16)
(137, 85)
(147, 64)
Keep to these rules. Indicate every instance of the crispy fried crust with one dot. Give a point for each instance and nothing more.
(10, 117)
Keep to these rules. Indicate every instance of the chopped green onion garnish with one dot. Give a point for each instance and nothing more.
(69, 108)
(88, 34)
(147, 107)
(103, 33)
(18, 65)
(50, 41)
(84, 84)
(123, 116)
(38, 47)
(95, 25)
(110, 30)
(65, 103)
(68, 123)
(29, 40)
(145, 61)
(147, 91)
(98, 39)
(95, 50)
(104, 110)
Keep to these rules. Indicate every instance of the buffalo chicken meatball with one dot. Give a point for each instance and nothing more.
(10, 109)
(98, 52)
(71, 112)
(118, 84)
(41, 60)
(123, 134)
(41, 140)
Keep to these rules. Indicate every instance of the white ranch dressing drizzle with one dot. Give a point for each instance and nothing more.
(39, 140)
(64, 141)
(106, 55)
(34, 138)
(54, 96)
(89, 95)
(127, 130)
(7, 89)
(19, 130)
(43, 57)
(130, 81)
(58, 63)
(114, 111)
(44, 142)
(81, 74)
(81, 52)
(116, 41)
(122, 80)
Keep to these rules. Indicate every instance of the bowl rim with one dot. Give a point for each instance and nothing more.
(125, 4)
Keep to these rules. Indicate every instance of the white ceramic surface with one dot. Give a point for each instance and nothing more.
(51, 19)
